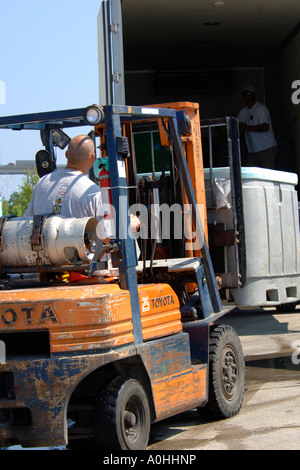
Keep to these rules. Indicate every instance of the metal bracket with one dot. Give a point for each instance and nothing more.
(116, 77)
(123, 146)
(36, 238)
(115, 27)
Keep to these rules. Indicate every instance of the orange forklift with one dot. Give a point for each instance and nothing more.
(102, 361)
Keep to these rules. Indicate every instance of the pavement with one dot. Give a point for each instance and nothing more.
(270, 415)
(264, 333)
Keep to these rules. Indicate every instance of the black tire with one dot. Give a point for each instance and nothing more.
(226, 374)
(122, 416)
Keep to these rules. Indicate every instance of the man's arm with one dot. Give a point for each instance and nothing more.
(258, 128)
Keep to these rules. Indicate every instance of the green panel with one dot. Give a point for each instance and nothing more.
(144, 142)
(142, 146)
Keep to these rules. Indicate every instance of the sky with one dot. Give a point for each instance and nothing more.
(48, 62)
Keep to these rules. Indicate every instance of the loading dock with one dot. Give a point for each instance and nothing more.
(205, 51)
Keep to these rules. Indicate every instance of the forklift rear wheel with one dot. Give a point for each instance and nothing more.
(122, 416)
(226, 374)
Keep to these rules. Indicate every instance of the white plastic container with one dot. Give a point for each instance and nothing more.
(271, 232)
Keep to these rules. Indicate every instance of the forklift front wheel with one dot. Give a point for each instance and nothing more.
(122, 416)
(226, 374)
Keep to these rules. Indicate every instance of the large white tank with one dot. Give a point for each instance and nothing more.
(271, 232)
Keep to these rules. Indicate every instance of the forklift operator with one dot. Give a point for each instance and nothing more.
(68, 191)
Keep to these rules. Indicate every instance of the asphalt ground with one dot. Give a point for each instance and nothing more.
(270, 416)
(265, 333)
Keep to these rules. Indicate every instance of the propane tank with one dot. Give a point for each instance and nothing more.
(63, 241)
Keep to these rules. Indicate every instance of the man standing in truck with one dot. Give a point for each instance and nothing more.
(255, 121)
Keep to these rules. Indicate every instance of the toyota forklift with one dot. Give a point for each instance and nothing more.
(103, 361)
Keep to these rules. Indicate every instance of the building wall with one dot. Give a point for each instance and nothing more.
(280, 75)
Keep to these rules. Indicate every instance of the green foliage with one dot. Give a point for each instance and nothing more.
(5, 207)
(19, 200)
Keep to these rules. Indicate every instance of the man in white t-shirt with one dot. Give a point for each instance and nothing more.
(70, 193)
(255, 121)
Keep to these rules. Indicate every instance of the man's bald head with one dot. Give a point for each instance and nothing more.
(81, 153)
(80, 149)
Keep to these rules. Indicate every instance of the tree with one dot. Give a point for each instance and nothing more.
(19, 200)
(5, 209)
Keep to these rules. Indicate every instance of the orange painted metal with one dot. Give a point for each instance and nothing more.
(178, 392)
(90, 317)
(177, 385)
(160, 312)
